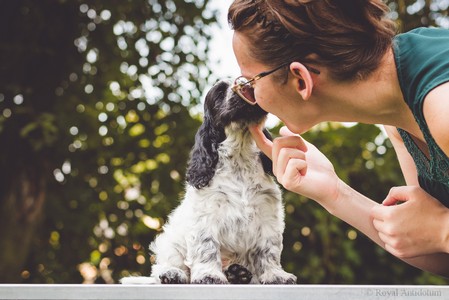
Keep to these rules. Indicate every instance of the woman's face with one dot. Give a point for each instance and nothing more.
(277, 98)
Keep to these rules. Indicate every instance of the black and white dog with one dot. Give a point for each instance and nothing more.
(229, 226)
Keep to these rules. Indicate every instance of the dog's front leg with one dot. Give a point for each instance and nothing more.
(266, 259)
(204, 259)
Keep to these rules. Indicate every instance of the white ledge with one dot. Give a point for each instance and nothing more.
(219, 292)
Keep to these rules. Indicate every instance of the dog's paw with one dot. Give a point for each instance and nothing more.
(173, 276)
(237, 274)
(277, 277)
(210, 279)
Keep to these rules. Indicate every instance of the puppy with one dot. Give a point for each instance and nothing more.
(229, 226)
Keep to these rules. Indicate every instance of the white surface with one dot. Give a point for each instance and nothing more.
(217, 292)
(138, 280)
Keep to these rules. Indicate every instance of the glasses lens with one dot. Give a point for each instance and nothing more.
(245, 89)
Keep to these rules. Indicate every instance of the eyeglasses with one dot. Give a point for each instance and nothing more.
(245, 87)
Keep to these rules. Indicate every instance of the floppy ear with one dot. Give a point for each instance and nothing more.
(267, 164)
(204, 155)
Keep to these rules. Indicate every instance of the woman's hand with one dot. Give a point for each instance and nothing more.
(417, 226)
(410, 230)
(298, 165)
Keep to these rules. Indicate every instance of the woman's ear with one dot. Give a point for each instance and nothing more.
(303, 79)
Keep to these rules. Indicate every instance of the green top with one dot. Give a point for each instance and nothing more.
(422, 62)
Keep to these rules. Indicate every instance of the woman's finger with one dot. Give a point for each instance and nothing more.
(294, 172)
(301, 143)
(264, 144)
(286, 155)
(397, 194)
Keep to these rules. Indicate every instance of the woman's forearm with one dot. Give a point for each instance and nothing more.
(437, 263)
(355, 209)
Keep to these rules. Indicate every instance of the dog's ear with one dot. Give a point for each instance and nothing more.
(204, 156)
(266, 161)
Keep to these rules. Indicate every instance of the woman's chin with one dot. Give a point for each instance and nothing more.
(295, 128)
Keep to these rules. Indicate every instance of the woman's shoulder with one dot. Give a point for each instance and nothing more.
(423, 32)
(422, 62)
(421, 41)
(436, 110)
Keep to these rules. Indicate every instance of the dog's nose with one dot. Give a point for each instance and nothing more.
(223, 82)
(228, 80)
(220, 87)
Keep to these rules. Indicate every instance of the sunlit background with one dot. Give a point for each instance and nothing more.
(99, 105)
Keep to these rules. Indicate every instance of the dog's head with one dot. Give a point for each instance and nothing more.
(221, 108)
(224, 106)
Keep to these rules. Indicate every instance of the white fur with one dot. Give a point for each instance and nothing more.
(239, 212)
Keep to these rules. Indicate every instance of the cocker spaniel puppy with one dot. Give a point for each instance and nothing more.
(229, 226)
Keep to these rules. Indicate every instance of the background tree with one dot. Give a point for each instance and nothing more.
(97, 118)
(95, 129)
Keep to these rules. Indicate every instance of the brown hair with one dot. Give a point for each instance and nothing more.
(350, 37)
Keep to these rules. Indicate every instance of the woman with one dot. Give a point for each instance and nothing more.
(309, 61)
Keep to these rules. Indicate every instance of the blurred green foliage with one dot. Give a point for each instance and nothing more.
(96, 125)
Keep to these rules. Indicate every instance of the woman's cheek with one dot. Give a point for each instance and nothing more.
(264, 101)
